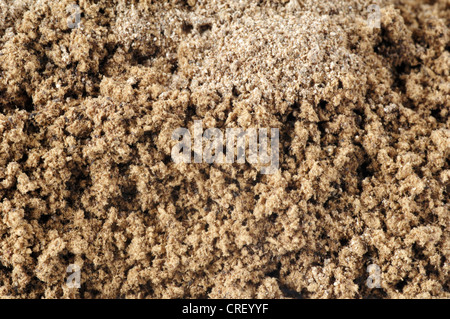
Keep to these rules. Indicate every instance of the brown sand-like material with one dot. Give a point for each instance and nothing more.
(86, 175)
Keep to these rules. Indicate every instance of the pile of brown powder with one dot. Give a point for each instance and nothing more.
(86, 175)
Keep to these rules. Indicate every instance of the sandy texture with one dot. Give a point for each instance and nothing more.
(86, 175)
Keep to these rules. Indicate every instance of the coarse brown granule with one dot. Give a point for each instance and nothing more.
(86, 176)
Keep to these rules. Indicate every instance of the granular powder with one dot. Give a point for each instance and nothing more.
(358, 208)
